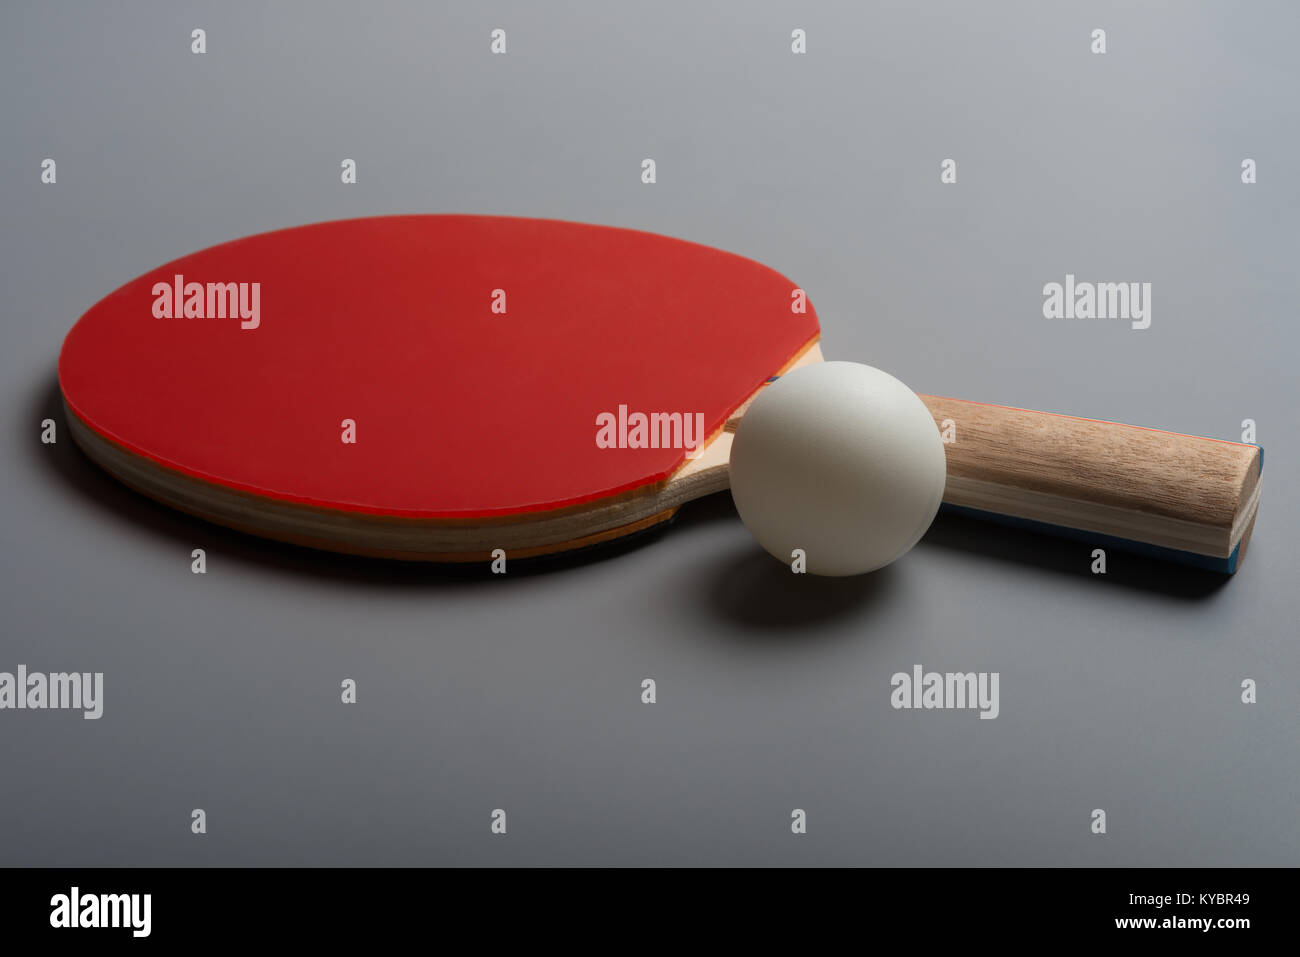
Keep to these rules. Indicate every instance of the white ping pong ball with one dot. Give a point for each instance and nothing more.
(842, 461)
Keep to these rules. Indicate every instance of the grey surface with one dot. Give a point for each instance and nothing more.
(522, 693)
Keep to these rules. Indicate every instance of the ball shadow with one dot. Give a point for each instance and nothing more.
(752, 588)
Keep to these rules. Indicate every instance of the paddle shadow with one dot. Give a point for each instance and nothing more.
(65, 462)
(750, 587)
(1069, 558)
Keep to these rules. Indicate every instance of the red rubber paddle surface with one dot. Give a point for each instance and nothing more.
(459, 412)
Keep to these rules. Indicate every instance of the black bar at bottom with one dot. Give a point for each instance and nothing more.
(334, 906)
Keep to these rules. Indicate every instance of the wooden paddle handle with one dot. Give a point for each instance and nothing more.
(1163, 489)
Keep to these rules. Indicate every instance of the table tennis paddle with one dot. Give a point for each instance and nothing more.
(435, 387)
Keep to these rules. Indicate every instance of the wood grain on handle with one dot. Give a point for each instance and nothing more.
(1164, 489)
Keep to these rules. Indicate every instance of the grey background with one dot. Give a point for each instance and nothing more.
(1119, 692)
